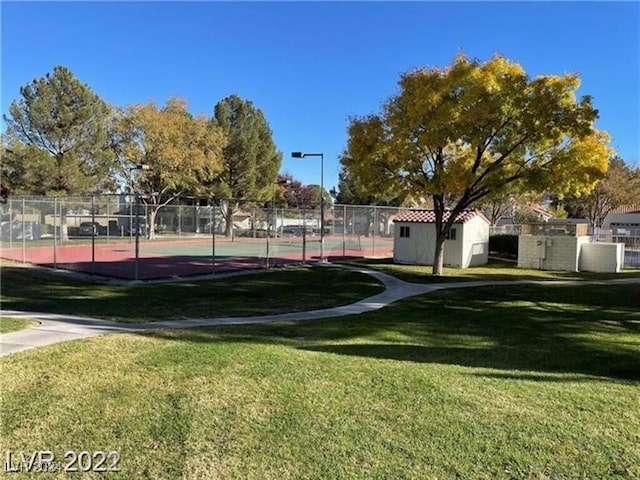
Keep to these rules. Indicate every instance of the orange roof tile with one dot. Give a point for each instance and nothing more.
(429, 216)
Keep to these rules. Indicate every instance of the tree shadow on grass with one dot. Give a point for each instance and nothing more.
(587, 330)
(620, 366)
(495, 270)
(277, 291)
(540, 377)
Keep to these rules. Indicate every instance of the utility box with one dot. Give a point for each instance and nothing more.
(602, 257)
(552, 246)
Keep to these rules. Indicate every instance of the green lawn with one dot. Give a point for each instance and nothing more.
(495, 270)
(522, 382)
(12, 324)
(294, 289)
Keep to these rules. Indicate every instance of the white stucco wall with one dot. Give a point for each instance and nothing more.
(475, 243)
(551, 252)
(470, 248)
(418, 248)
(602, 257)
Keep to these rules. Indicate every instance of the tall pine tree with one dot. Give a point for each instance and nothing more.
(250, 160)
(57, 134)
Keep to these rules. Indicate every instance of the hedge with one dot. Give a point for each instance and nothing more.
(503, 245)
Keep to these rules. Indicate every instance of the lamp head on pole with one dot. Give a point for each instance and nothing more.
(305, 155)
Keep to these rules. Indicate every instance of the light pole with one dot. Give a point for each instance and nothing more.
(321, 155)
(139, 166)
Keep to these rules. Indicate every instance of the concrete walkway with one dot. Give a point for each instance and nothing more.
(55, 328)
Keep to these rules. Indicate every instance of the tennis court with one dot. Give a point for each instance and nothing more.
(97, 235)
(167, 258)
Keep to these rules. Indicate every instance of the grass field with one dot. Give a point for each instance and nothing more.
(290, 290)
(520, 382)
(293, 289)
(12, 324)
(494, 270)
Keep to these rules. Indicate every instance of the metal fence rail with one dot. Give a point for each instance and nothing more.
(631, 243)
(115, 235)
(120, 236)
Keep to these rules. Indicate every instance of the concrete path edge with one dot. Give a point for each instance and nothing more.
(57, 328)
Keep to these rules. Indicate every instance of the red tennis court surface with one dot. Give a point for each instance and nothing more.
(178, 258)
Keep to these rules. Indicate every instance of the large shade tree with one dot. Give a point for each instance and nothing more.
(511, 204)
(23, 168)
(352, 192)
(293, 193)
(57, 139)
(180, 153)
(619, 187)
(472, 129)
(250, 160)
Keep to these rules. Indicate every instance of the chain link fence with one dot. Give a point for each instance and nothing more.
(630, 237)
(123, 236)
(631, 240)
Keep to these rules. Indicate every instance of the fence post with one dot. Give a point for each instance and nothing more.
(10, 223)
(136, 272)
(212, 227)
(272, 222)
(344, 232)
(108, 218)
(131, 217)
(267, 236)
(55, 232)
(304, 236)
(375, 227)
(274, 211)
(24, 245)
(253, 221)
(93, 233)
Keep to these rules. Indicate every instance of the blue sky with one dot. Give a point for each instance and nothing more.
(309, 66)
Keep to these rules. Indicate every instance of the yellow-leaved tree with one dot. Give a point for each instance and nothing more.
(179, 153)
(471, 130)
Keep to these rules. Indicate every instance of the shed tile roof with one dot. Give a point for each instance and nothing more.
(429, 216)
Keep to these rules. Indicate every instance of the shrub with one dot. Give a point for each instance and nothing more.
(504, 245)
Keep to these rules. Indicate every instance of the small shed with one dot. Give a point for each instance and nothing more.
(414, 239)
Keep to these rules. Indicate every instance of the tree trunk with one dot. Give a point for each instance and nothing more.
(438, 256)
(369, 222)
(64, 228)
(151, 225)
(228, 231)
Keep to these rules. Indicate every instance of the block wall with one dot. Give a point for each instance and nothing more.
(602, 257)
(550, 252)
(530, 252)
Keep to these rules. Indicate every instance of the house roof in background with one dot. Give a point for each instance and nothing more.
(429, 216)
(625, 209)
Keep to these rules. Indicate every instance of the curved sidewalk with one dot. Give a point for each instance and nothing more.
(56, 328)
